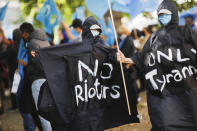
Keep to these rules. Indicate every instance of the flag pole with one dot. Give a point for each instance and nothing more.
(116, 39)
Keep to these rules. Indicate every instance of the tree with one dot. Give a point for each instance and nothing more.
(185, 6)
(66, 7)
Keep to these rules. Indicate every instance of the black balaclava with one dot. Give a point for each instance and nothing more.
(170, 5)
(86, 31)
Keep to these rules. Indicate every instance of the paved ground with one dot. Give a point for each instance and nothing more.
(12, 121)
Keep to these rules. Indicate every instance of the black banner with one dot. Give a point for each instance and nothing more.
(86, 86)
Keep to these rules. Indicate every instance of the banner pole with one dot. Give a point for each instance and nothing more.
(123, 77)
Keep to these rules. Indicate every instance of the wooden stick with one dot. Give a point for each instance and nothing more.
(116, 38)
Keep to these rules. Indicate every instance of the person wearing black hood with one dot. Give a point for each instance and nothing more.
(91, 31)
(168, 63)
(64, 110)
(11, 57)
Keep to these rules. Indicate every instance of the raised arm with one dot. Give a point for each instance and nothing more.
(5, 40)
(67, 29)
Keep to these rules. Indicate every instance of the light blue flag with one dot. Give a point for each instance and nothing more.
(44, 15)
(103, 26)
(192, 11)
(110, 33)
(3, 11)
(22, 54)
(121, 6)
(79, 14)
(122, 43)
(138, 6)
(8, 30)
(97, 7)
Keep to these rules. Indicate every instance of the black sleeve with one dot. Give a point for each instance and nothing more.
(138, 57)
(128, 48)
(190, 35)
(3, 54)
(194, 37)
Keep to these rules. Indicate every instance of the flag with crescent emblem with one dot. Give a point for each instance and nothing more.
(45, 15)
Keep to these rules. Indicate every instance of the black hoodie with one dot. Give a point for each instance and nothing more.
(169, 5)
(168, 62)
(87, 36)
(162, 52)
(86, 33)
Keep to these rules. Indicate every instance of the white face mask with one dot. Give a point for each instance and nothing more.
(95, 32)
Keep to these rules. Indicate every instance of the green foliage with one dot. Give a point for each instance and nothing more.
(66, 7)
(187, 5)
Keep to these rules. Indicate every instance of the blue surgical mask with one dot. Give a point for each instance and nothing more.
(165, 18)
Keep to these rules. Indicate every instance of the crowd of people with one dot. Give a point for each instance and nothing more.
(154, 55)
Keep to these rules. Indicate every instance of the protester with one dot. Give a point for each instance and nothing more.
(77, 25)
(11, 57)
(35, 39)
(24, 100)
(2, 86)
(126, 45)
(168, 63)
(189, 21)
(4, 71)
(4, 43)
(103, 108)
